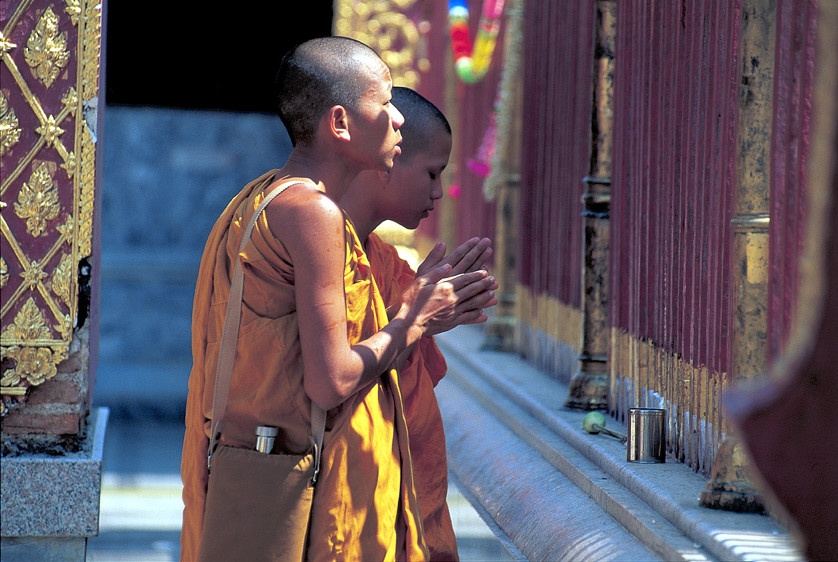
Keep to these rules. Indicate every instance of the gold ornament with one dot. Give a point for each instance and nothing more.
(37, 201)
(46, 50)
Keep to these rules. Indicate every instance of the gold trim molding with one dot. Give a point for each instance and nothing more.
(50, 59)
(387, 27)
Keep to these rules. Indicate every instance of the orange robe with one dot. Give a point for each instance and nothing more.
(422, 371)
(364, 505)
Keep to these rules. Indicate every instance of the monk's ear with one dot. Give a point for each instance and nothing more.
(339, 122)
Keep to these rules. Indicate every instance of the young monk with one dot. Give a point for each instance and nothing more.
(406, 197)
(313, 325)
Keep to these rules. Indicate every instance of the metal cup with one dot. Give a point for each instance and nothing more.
(646, 435)
(265, 437)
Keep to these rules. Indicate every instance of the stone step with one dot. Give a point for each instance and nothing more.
(513, 445)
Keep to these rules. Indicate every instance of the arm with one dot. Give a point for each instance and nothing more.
(311, 227)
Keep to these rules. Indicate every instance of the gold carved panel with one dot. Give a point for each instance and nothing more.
(396, 29)
(49, 88)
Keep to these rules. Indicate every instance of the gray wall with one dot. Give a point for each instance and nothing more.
(167, 175)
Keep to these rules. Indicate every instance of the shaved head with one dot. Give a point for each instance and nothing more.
(422, 121)
(319, 74)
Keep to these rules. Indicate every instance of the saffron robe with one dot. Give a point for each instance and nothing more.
(364, 504)
(421, 372)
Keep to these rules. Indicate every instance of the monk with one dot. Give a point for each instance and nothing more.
(406, 197)
(313, 325)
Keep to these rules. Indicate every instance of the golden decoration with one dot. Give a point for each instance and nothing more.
(64, 327)
(73, 9)
(44, 303)
(71, 100)
(5, 46)
(10, 378)
(9, 130)
(87, 171)
(46, 49)
(33, 274)
(11, 384)
(383, 25)
(62, 279)
(35, 364)
(50, 130)
(90, 46)
(66, 229)
(29, 325)
(37, 201)
(70, 164)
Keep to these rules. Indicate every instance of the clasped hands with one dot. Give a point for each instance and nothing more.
(454, 289)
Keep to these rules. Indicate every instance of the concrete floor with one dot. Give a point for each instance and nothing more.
(141, 506)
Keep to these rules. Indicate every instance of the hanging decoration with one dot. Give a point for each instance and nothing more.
(506, 98)
(472, 65)
(481, 164)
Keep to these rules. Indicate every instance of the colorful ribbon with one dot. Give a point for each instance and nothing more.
(472, 65)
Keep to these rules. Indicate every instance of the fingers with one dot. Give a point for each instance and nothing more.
(472, 290)
(455, 257)
(434, 258)
(437, 273)
(455, 319)
(471, 255)
(473, 281)
(472, 317)
(485, 299)
(477, 257)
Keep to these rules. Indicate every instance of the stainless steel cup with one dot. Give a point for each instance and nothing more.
(646, 435)
(265, 437)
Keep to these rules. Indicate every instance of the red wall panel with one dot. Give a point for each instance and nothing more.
(674, 157)
(793, 78)
(557, 91)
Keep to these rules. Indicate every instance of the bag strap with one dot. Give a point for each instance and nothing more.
(227, 353)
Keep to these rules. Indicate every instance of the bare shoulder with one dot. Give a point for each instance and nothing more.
(305, 218)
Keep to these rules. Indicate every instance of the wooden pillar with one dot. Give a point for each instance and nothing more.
(50, 156)
(502, 185)
(589, 384)
(731, 486)
(788, 421)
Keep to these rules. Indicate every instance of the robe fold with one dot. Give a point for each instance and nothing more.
(421, 372)
(364, 506)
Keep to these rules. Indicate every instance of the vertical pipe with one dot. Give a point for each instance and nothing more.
(589, 385)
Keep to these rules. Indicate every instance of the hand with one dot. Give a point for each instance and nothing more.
(470, 256)
(474, 298)
(437, 304)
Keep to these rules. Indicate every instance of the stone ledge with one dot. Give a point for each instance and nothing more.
(656, 503)
(55, 496)
(535, 506)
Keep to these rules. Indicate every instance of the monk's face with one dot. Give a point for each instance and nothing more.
(375, 134)
(415, 183)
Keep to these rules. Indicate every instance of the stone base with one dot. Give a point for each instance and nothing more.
(26, 549)
(50, 504)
